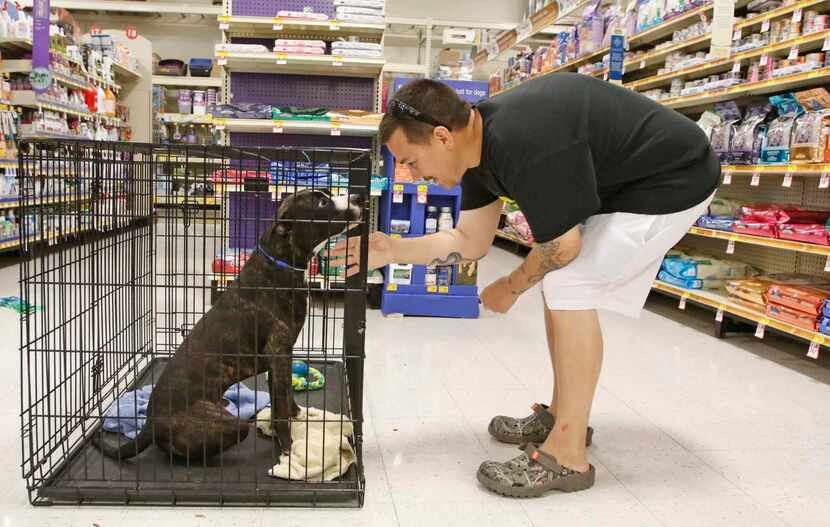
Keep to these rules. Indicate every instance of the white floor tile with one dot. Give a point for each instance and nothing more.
(495, 513)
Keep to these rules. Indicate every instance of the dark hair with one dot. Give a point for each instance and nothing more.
(432, 98)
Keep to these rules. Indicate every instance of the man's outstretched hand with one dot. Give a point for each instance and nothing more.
(347, 252)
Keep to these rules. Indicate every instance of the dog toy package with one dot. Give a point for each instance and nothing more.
(722, 133)
(718, 223)
(779, 133)
(748, 138)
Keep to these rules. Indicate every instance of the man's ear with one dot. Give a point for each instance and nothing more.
(443, 136)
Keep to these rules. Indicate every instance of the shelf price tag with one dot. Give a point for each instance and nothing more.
(222, 58)
(335, 129)
(730, 246)
(815, 346)
(682, 304)
(727, 177)
(334, 25)
(443, 289)
(824, 182)
(422, 194)
(826, 46)
(278, 127)
(337, 60)
(492, 50)
(756, 179)
(282, 59)
(736, 66)
(224, 23)
(642, 63)
(765, 26)
(397, 193)
(524, 30)
(392, 288)
(793, 52)
(737, 34)
(277, 24)
(219, 124)
(827, 265)
(761, 328)
(395, 236)
(797, 16)
(788, 180)
(432, 289)
(719, 314)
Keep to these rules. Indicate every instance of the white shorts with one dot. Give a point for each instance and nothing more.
(620, 257)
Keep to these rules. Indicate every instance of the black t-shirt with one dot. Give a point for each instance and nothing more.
(567, 146)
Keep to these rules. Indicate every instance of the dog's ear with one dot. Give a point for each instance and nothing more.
(282, 227)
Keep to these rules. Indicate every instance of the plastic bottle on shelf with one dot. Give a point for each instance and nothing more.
(431, 223)
(445, 221)
(109, 105)
(100, 100)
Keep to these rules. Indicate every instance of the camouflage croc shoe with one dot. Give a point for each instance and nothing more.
(533, 474)
(531, 429)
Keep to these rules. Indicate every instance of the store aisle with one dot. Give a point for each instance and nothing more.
(690, 430)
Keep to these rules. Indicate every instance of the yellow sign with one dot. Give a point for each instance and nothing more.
(392, 288)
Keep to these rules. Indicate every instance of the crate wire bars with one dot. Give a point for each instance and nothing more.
(142, 282)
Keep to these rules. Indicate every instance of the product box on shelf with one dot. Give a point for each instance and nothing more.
(779, 132)
(805, 299)
(748, 138)
(810, 138)
(722, 133)
(792, 316)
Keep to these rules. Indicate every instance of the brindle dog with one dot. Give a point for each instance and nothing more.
(250, 330)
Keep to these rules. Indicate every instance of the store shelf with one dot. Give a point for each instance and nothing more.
(191, 82)
(298, 127)
(301, 64)
(46, 135)
(5, 163)
(190, 201)
(16, 243)
(123, 6)
(10, 244)
(28, 99)
(801, 80)
(25, 66)
(274, 26)
(720, 301)
(16, 43)
(394, 68)
(810, 170)
(805, 43)
(15, 203)
(124, 71)
(185, 118)
(513, 238)
(786, 245)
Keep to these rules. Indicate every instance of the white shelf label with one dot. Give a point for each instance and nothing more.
(827, 265)
(756, 179)
(727, 178)
(375, 192)
(642, 63)
(277, 27)
(788, 180)
(492, 50)
(224, 26)
(737, 34)
(797, 16)
(793, 52)
(719, 314)
(765, 26)
(826, 46)
(682, 304)
(813, 351)
(762, 62)
(422, 194)
(334, 25)
(524, 30)
(222, 61)
(824, 182)
(760, 329)
(278, 128)
(730, 247)
(335, 131)
(397, 194)
(281, 62)
(736, 66)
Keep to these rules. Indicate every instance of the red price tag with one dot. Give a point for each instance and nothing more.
(131, 32)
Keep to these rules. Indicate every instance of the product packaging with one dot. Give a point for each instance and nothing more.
(756, 228)
(751, 290)
(779, 132)
(590, 30)
(811, 129)
(708, 121)
(724, 207)
(723, 132)
(613, 21)
(791, 316)
(719, 223)
(805, 299)
(689, 283)
(807, 233)
(705, 268)
(748, 138)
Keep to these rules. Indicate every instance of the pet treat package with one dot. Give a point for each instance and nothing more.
(804, 232)
(708, 121)
(591, 29)
(824, 326)
(812, 128)
(752, 290)
(613, 21)
(723, 132)
(772, 213)
(718, 223)
(805, 299)
(724, 207)
(629, 22)
(748, 137)
(792, 316)
(780, 131)
(756, 228)
(705, 268)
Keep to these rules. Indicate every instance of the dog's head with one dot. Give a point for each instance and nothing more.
(310, 217)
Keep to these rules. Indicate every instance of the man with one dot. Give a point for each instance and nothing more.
(608, 180)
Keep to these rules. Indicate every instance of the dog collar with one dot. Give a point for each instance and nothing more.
(276, 261)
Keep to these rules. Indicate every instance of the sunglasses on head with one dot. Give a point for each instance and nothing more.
(401, 109)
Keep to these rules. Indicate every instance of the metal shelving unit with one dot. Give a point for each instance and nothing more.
(329, 65)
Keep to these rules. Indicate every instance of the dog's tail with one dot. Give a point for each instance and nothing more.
(126, 449)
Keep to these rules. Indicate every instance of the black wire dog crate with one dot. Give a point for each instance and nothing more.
(188, 341)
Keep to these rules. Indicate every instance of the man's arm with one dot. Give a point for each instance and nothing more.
(544, 258)
(468, 241)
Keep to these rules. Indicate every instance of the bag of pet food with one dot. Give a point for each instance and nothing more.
(724, 207)
(804, 232)
(792, 316)
(748, 138)
(805, 299)
(708, 121)
(811, 129)
(780, 131)
(591, 28)
(722, 133)
(718, 223)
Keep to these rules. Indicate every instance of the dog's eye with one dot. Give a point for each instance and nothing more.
(324, 202)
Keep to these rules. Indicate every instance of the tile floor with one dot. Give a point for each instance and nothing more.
(690, 430)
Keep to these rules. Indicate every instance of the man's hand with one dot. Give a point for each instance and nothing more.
(499, 296)
(348, 252)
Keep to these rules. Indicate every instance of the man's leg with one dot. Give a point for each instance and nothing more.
(577, 339)
(551, 349)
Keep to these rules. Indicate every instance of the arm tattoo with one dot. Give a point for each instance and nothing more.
(451, 259)
(548, 257)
